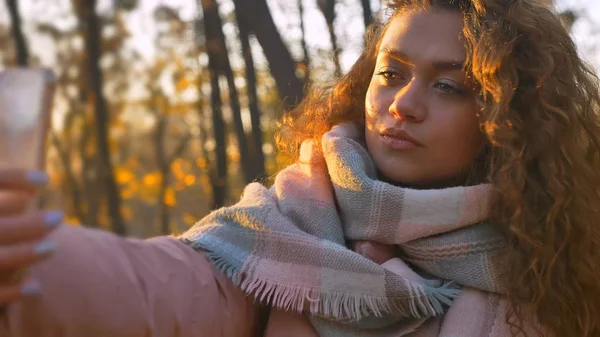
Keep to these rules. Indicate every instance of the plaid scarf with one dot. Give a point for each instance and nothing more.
(286, 245)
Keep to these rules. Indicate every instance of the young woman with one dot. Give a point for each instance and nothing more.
(460, 154)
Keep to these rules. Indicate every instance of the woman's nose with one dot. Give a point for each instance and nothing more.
(408, 103)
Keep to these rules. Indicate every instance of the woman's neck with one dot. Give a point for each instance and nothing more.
(461, 180)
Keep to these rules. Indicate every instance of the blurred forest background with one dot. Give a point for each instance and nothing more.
(164, 110)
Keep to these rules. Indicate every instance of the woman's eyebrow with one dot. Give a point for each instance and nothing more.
(438, 65)
(395, 54)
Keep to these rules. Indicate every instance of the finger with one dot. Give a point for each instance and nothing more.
(14, 202)
(356, 245)
(376, 252)
(15, 178)
(13, 292)
(362, 247)
(365, 249)
(13, 276)
(23, 255)
(29, 226)
(380, 256)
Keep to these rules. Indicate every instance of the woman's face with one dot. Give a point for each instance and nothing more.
(421, 124)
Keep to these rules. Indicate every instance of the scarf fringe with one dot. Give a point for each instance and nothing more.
(428, 297)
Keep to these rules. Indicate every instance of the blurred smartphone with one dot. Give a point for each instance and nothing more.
(25, 107)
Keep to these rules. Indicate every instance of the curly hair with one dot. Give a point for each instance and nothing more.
(540, 111)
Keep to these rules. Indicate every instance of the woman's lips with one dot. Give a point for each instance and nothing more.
(399, 140)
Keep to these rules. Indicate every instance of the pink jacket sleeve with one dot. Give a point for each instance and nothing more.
(98, 284)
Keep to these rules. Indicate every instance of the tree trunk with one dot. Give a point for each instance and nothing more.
(328, 9)
(282, 66)
(303, 42)
(367, 12)
(203, 132)
(72, 186)
(65, 153)
(17, 29)
(163, 168)
(164, 162)
(216, 39)
(92, 189)
(91, 26)
(219, 173)
(165, 216)
(218, 177)
(259, 161)
(336, 50)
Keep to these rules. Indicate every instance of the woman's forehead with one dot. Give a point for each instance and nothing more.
(425, 36)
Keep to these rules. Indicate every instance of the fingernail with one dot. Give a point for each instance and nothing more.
(45, 248)
(31, 288)
(38, 177)
(53, 219)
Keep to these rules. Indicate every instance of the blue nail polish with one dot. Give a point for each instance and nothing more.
(53, 219)
(31, 288)
(44, 248)
(38, 177)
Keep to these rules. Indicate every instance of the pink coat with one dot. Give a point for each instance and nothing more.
(98, 284)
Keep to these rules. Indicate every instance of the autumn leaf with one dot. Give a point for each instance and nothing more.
(190, 179)
(201, 163)
(183, 83)
(152, 179)
(170, 199)
(123, 175)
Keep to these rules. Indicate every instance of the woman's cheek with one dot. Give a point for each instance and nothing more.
(373, 103)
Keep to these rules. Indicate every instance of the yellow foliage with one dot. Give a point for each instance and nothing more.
(205, 183)
(183, 84)
(123, 175)
(72, 220)
(152, 179)
(130, 190)
(201, 163)
(127, 213)
(179, 109)
(234, 156)
(170, 199)
(190, 179)
(118, 125)
(189, 219)
(179, 168)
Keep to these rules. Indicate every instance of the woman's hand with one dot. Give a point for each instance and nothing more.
(374, 251)
(23, 232)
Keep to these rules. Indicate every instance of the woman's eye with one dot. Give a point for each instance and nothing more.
(449, 88)
(389, 75)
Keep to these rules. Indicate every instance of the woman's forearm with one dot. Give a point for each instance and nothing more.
(98, 284)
